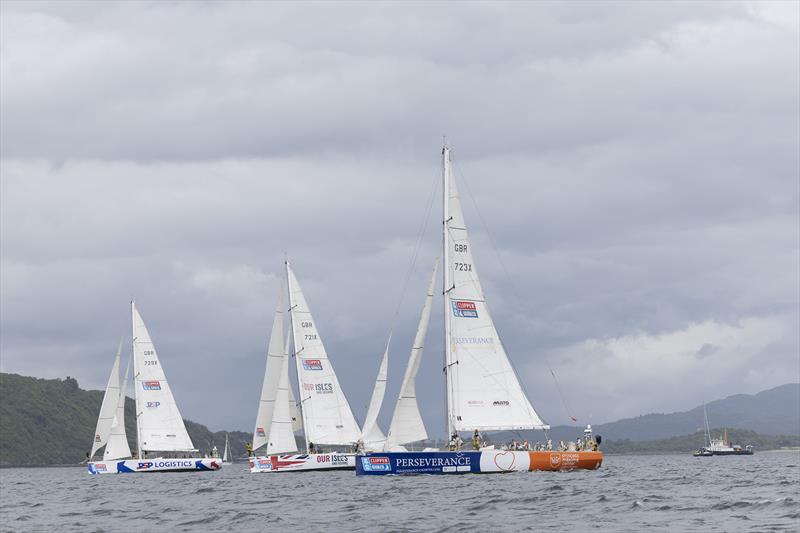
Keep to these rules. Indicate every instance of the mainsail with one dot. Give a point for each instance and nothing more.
(159, 422)
(483, 391)
(407, 425)
(372, 436)
(276, 355)
(117, 447)
(108, 408)
(327, 417)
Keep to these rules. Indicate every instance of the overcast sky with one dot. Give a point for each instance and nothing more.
(634, 167)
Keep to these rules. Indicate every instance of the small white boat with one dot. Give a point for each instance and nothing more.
(325, 418)
(226, 454)
(163, 444)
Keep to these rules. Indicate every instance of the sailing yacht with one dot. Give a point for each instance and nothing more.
(483, 390)
(163, 444)
(324, 414)
(226, 454)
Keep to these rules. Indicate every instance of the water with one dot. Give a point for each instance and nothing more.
(629, 493)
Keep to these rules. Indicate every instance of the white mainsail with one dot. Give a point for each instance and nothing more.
(117, 447)
(276, 355)
(159, 422)
(108, 408)
(327, 417)
(483, 391)
(407, 425)
(372, 436)
(294, 410)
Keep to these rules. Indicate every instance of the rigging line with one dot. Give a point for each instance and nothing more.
(415, 254)
(510, 280)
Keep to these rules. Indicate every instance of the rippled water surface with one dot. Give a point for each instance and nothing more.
(629, 493)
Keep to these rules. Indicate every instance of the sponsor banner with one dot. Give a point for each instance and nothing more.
(419, 463)
(464, 309)
(505, 461)
(156, 465)
(151, 385)
(312, 364)
(296, 462)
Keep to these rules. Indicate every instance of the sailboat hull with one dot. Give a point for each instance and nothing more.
(478, 462)
(132, 466)
(303, 462)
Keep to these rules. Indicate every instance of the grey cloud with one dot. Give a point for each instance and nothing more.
(636, 166)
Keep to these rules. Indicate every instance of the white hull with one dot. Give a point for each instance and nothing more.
(123, 466)
(303, 462)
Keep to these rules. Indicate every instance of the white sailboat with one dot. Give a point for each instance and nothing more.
(483, 391)
(163, 444)
(226, 454)
(325, 413)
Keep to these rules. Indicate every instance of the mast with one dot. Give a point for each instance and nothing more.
(135, 388)
(446, 282)
(294, 352)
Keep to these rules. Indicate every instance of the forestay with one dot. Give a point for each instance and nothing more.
(276, 355)
(484, 392)
(160, 424)
(407, 425)
(327, 417)
(108, 408)
(372, 436)
(117, 447)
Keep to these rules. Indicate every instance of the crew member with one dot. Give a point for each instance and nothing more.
(249, 449)
(476, 440)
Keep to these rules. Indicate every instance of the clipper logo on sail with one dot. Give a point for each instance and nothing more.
(312, 364)
(151, 385)
(464, 309)
(260, 432)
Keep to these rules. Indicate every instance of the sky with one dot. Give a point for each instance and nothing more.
(630, 174)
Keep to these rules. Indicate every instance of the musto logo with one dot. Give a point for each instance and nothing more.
(464, 309)
(151, 385)
(97, 437)
(312, 364)
(375, 464)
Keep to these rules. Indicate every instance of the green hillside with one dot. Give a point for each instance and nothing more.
(52, 421)
(688, 443)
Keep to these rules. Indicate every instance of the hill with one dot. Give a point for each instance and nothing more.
(770, 412)
(687, 443)
(52, 421)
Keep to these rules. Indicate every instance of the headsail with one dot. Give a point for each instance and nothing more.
(483, 390)
(117, 447)
(159, 422)
(327, 417)
(294, 410)
(281, 430)
(276, 355)
(407, 425)
(226, 454)
(108, 408)
(372, 436)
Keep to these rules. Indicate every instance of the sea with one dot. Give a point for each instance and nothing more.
(628, 493)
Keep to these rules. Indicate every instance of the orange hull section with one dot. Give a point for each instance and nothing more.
(584, 460)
